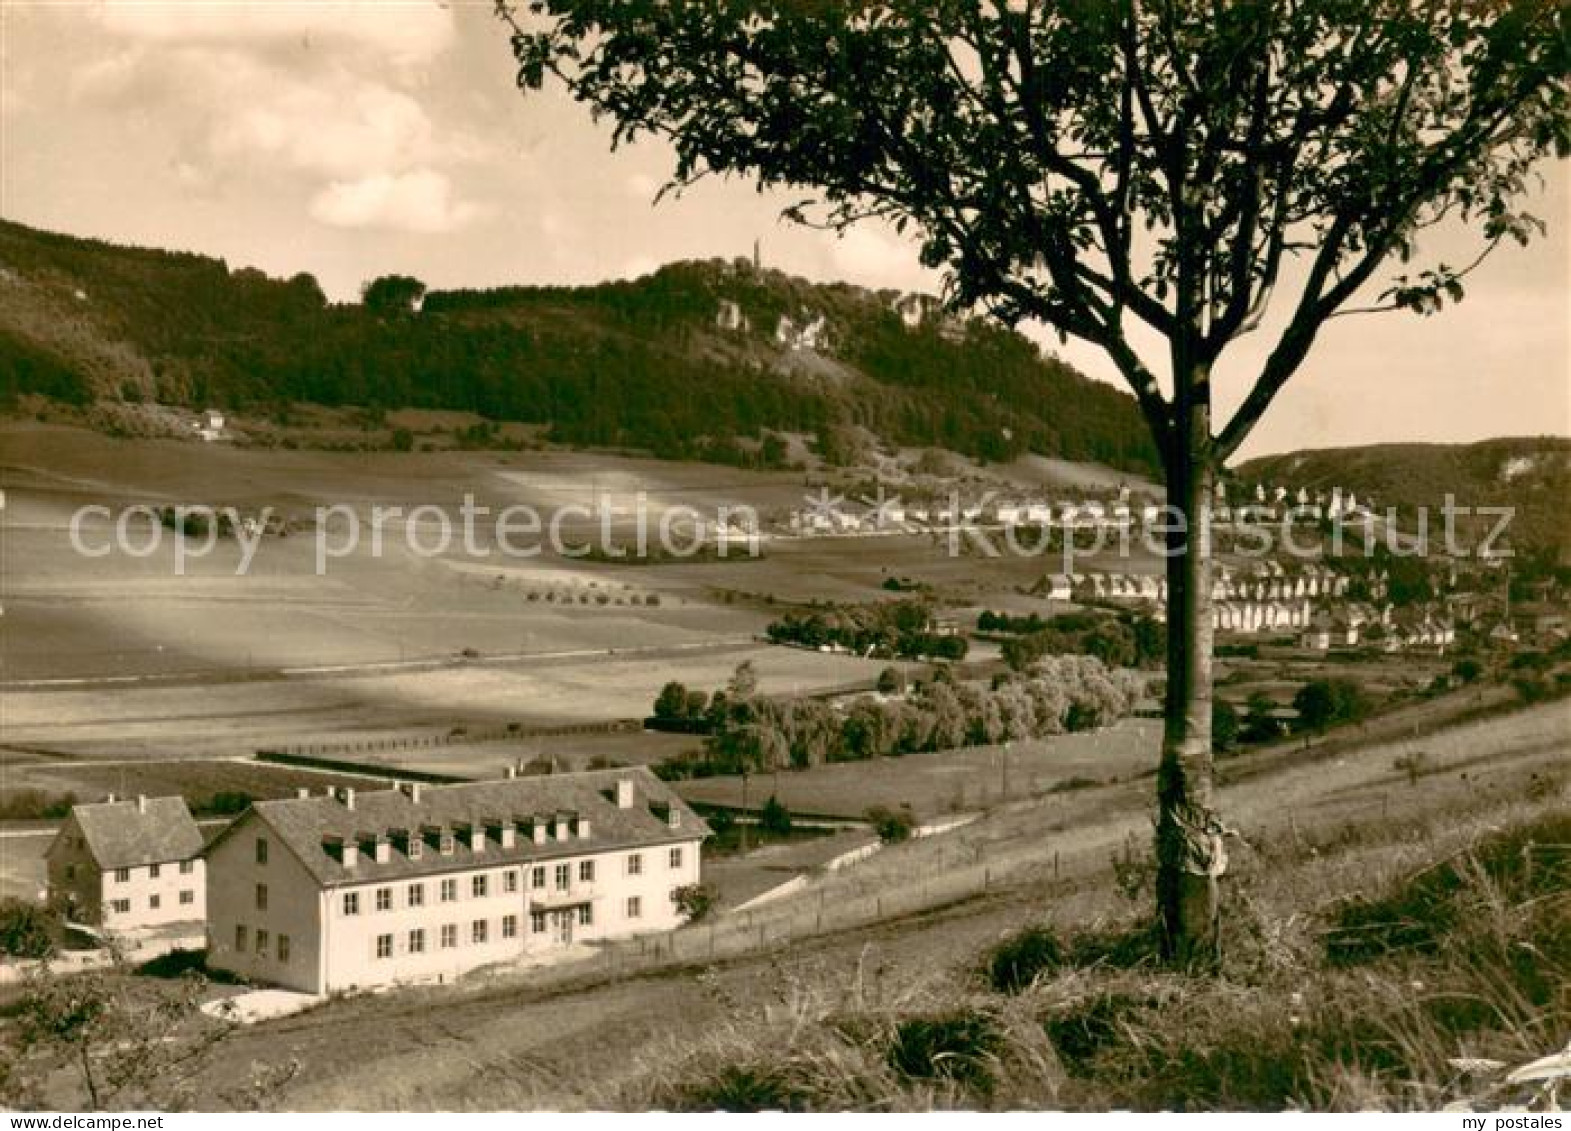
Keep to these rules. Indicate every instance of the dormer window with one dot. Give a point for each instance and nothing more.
(416, 847)
(446, 844)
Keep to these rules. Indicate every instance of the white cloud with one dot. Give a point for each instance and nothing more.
(420, 201)
(322, 100)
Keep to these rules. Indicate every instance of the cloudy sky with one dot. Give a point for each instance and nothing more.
(351, 139)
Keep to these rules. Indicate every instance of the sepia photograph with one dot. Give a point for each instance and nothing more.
(797, 556)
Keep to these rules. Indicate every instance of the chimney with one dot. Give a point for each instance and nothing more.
(349, 797)
(110, 799)
(141, 803)
(510, 772)
(414, 793)
(624, 793)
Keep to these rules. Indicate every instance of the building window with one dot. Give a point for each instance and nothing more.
(510, 880)
(416, 847)
(635, 865)
(445, 846)
(261, 850)
(121, 906)
(509, 926)
(152, 871)
(188, 896)
(240, 937)
(586, 871)
(477, 887)
(283, 948)
(384, 899)
(635, 907)
(384, 946)
(153, 902)
(261, 941)
(122, 875)
(676, 858)
(477, 931)
(70, 871)
(586, 915)
(351, 903)
(417, 941)
(449, 935)
(187, 867)
(416, 895)
(449, 891)
(564, 873)
(537, 922)
(261, 897)
(537, 878)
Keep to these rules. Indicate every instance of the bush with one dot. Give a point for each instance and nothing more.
(24, 930)
(739, 1087)
(962, 1046)
(36, 805)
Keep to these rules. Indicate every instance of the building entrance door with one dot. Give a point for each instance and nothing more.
(564, 926)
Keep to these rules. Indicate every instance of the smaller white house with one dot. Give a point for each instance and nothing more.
(129, 865)
(211, 425)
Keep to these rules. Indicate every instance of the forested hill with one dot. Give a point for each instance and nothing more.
(684, 362)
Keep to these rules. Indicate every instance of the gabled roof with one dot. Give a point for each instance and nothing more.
(308, 826)
(129, 834)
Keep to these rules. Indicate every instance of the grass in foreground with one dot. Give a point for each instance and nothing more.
(1390, 973)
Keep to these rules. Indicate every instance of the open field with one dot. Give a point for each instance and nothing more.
(948, 781)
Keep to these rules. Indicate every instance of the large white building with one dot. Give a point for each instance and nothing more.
(349, 890)
(128, 865)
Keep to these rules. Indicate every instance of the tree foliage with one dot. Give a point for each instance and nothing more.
(25, 930)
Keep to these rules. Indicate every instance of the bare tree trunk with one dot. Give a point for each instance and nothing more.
(1188, 841)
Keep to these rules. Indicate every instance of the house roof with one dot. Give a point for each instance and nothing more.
(128, 834)
(308, 826)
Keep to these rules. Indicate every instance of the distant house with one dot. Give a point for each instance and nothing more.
(127, 865)
(326, 893)
(729, 316)
(1539, 620)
